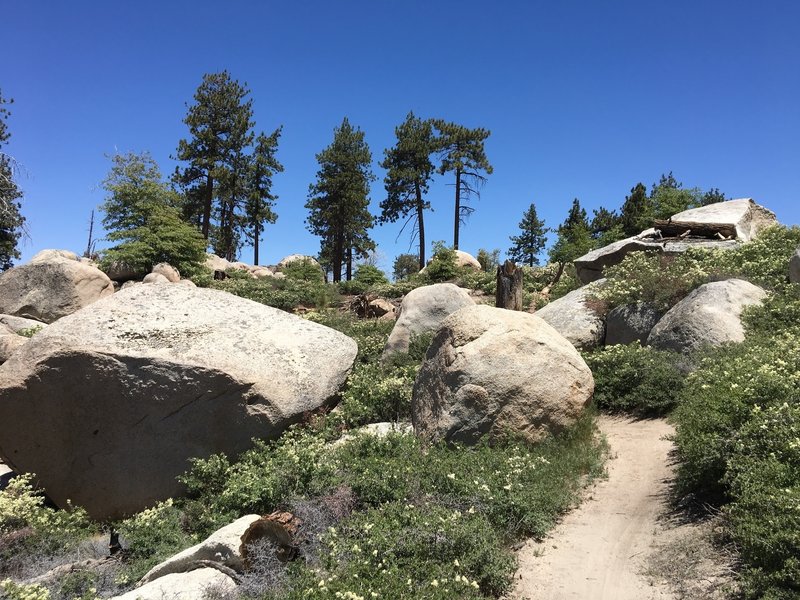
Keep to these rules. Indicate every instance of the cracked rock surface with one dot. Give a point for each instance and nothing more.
(107, 405)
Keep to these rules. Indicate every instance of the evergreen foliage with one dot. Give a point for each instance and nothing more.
(260, 199)
(143, 216)
(574, 238)
(339, 199)
(462, 151)
(404, 266)
(227, 189)
(489, 260)
(636, 215)
(408, 170)
(527, 246)
(12, 223)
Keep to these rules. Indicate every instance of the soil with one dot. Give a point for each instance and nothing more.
(617, 543)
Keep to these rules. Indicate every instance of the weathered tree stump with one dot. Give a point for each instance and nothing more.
(509, 286)
(279, 529)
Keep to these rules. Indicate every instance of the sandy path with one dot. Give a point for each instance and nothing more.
(597, 552)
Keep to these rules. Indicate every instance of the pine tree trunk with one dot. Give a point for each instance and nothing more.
(255, 244)
(458, 209)
(509, 286)
(207, 199)
(349, 264)
(421, 226)
(336, 259)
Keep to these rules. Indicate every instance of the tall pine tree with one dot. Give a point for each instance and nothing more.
(462, 151)
(408, 170)
(12, 223)
(637, 211)
(339, 199)
(527, 246)
(220, 128)
(260, 199)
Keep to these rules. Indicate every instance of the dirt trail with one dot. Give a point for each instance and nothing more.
(599, 550)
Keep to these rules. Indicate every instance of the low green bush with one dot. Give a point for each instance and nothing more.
(764, 479)
(636, 379)
(304, 270)
(370, 275)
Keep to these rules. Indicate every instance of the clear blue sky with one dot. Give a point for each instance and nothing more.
(584, 99)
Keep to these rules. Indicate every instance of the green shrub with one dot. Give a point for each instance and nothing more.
(567, 283)
(29, 332)
(285, 294)
(370, 275)
(22, 506)
(378, 393)
(150, 537)
(443, 266)
(402, 550)
(404, 266)
(304, 270)
(23, 591)
(764, 479)
(632, 378)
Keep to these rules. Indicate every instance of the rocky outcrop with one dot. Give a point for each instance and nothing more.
(20, 324)
(122, 272)
(184, 586)
(422, 312)
(631, 323)
(574, 319)
(55, 283)
(747, 218)
(221, 547)
(794, 267)
(293, 258)
(709, 316)
(743, 219)
(494, 372)
(107, 405)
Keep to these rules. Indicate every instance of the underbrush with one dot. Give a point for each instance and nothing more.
(738, 443)
(635, 379)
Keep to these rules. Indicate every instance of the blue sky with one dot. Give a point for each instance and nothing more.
(584, 99)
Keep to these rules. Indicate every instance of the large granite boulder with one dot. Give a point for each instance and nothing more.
(494, 372)
(221, 547)
(293, 258)
(216, 263)
(794, 267)
(573, 317)
(55, 283)
(631, 323)
(108, 405)
(709, 316)
(422, 312)
(744, 218)
(744, 215)
(205, 582)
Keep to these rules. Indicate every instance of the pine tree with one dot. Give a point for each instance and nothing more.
(12, 223)
(409, 169)
(339, 199)
(574, 238)
(143, 217)
(712, 196)
(527, 246)
(260, 199)
(637, 211)
(220, 127)
(461, 151)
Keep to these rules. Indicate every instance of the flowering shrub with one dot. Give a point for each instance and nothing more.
(21, 506)
(635, 379)
(21, 591)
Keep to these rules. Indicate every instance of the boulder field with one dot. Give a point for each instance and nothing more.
(107, 405)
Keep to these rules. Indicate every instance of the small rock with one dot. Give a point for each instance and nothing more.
(157, 278)
(168, 271)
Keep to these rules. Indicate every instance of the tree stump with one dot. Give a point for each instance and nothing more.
(509, 286)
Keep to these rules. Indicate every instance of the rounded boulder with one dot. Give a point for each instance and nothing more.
(494, 372)
(108, 405)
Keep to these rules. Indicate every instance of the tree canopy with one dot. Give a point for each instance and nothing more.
(143, 216)
(530, 242)
(574, 237)
(462, 151)
(214, 180)
(339, 199)
(408, 170)
(260, 199)
(12, 223)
